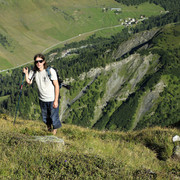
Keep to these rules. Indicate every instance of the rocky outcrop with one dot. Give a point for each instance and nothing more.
(52, 141)
(176, 154)
(148, 101)
(138, 40)
(122, 82)
(123, 77)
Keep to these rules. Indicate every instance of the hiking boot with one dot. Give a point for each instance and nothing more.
(54, 131)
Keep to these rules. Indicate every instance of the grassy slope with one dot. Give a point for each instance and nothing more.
(3, 98)
(87, 154)
(32, 26)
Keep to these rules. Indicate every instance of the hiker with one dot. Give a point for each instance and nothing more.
(48, 92)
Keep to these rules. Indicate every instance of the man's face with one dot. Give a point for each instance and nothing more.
(40, 63)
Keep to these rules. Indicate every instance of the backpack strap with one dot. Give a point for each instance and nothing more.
(58, 78)
(60, 81)
(49, 73)
(32, 77)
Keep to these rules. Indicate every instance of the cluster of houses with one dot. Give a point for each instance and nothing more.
(128, 21)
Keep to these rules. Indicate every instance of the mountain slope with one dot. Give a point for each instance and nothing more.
(124, 91)
(29, 27)
(135, 92)
(87, 154)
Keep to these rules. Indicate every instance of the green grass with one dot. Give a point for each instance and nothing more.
(31, 26)
(4, 63)
(170, 38)
(87, 154)
(143, 9)
(109, 32)
(3, 98)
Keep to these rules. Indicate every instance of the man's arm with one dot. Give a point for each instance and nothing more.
(56, 86)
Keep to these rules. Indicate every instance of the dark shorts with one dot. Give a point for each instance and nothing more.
(50, 115)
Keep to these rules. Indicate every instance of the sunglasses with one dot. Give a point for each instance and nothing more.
(39, 61)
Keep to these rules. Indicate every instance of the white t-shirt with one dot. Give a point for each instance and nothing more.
(45, 85)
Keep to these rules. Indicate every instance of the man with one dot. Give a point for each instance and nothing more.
(48, 91)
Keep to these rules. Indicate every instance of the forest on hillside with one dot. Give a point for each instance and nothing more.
(167, 5)
(97, 54)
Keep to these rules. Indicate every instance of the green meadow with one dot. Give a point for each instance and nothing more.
(5, 63)
(3, 98)
(86, 153)
(30, 27)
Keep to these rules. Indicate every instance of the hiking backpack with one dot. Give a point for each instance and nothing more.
(60, 81)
